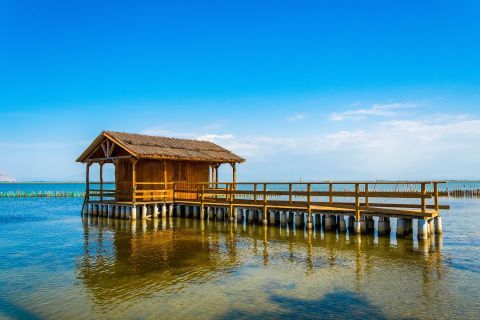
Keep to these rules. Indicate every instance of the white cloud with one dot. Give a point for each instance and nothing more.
(444, 146)
(383, 110)
(215, 137)
(405, 149)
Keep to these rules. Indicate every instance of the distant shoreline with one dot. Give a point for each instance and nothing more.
(79, 182)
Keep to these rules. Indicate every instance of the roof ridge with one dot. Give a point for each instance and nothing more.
(164, 137)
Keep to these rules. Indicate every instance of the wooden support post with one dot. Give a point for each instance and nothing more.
(366, 195)
(234, 182)
(309, 191)
(309, 210)
(265, 194)
(435, 196)
(290, 193)
(216, 175)
(101, 180)
(330, 193)
(134, 178)
(87, 182)
(357, 202)
(424, 200)
(265, 208)
(234, 172)
(255, 193)
(202, 206)
(165, 174)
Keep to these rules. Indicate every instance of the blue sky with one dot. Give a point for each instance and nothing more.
(302, 89)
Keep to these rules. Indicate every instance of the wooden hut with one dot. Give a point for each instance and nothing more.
(148, 167)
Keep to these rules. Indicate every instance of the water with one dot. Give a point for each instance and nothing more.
(53, 264)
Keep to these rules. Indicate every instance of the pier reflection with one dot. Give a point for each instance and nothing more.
(124, 260)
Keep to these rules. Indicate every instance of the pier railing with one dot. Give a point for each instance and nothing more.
(408, 198)
(398, 198)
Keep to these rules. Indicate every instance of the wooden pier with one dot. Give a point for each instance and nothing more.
(159, 177)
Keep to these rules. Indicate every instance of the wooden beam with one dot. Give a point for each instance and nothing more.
(234, 174)
(101, 180)
(165, 173)
(107, 159)
(87, 181)
(424, 193)
(134, 177)
(357, 202)
(110, 150)
(104, 148)
(212, 169)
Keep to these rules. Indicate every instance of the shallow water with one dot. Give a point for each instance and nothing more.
(54, 264)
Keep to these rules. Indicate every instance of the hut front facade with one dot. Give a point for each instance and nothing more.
(148, 167)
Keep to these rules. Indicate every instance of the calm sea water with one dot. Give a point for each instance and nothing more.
(54, 264)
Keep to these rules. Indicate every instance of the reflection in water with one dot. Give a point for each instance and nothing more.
(125, 261)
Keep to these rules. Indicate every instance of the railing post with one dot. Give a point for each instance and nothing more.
(290, 193)
(330, 193)
(87, 182)
(134, 179)
(265, 193)
(424, 200)
(366, 195)
(435, 194)
(101, 180)
(309, 209)
(227, 193)
(255, 193)
(309, 190)
(357, 202)
(265, 208)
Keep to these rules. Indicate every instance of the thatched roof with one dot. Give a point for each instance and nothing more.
(153, 147)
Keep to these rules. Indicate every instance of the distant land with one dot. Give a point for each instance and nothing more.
(4, 178)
